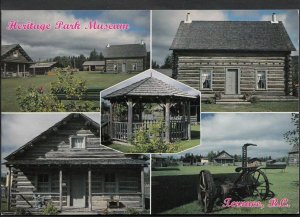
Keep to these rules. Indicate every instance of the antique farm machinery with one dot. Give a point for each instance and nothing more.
(248, 181)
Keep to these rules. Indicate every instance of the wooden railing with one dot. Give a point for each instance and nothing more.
(178, 129)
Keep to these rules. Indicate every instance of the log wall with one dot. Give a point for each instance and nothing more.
(186, 68)
(129, 63)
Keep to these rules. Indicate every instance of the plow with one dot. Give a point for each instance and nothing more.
(247, 182)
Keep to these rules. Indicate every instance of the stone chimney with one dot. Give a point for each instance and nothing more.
(274, 18)
(107, 45)
(188, 18)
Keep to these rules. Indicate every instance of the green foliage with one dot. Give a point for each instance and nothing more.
(132, 211)
(254, 99)
(50, 209)
(211, 100)
(168, 62)
(36, 100)
(292, 136)
(152, 141)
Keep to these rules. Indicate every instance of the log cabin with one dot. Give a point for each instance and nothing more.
(42, 68)
(67, 165)
(234, 59)
(224, 158)
(293, 159)
(14, 61)
(125, 58)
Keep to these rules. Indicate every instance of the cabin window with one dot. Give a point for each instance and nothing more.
(134, 66)
(16, 53)
(261, 79)
(110, 183)
(43, 183)
(205, 78)
(115, 67)
(77, 142)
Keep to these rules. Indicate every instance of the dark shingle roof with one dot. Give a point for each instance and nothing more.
(125, 51)
(232, 35)
(7, 48)
(94, 63)
(224, 155)
(6, 51)
(149, 87)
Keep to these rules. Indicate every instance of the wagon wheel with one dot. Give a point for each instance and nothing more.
(206, 191)
(261, 185)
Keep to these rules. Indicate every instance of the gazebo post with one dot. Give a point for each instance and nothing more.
(189, 119)
(167, 120)
(111, 120)
(129, 119)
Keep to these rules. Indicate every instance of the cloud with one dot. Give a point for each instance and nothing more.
(165, 24)
(48, 44)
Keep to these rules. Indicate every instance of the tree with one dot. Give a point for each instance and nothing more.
(168, 62)
(292, 136)
(155, 65)
(93, 55)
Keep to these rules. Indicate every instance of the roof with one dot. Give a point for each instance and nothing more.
(42, 65)
(96, 155)
(94, 63)
(125, 51)
(7, 49)
(232, 35)
(253, 160)
(93, 124)
(224, 155)
(150, 87)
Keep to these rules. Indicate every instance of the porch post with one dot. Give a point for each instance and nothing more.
(24, 70)
(60, 189)
(9, 188)
(143, 188)
(189, 119)
(167, 120)
(18, 69)
(90, 188)
(24, 67)
(140, 112)
(129, 117)
(4, 69)
(111, 120)
(33, 71)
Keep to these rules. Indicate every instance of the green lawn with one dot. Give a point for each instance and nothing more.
(283, 184)
(183, 145)
(254, 107)
(94, 80)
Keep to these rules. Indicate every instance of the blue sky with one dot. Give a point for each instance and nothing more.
(165, 24)
(48, 44)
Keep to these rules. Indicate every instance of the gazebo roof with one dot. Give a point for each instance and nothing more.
(149, 87)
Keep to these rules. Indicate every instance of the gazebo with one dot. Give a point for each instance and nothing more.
(150, 90)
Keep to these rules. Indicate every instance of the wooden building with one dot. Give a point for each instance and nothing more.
(67, 165)
(254, 162)
(224, 158)
(98, 66)
(293, 159)
(42, 68)
(234, 59)
(125, 58)
(135, 96)
(14, 61)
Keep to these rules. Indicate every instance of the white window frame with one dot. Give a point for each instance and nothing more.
(77, 137)
(134, 66)
(256, 79)
(204, 71)
(115, 67)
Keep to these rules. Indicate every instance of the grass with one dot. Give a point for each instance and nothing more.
(284, 185)
(183, 145)
(254, 107)
(93, 79)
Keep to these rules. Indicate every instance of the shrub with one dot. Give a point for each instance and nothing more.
(50, 209)
(211, 101)
(254, 99)
(132, 211)
(218, 95)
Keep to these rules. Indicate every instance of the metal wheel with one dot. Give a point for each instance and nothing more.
(206, 191)
(261, 185)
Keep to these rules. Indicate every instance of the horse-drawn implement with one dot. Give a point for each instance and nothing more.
(248, 182)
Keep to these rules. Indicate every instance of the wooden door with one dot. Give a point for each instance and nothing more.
(78, 190)
(124, 67)
(231, 83)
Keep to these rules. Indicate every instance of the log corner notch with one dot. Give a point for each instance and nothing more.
(288, 75)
